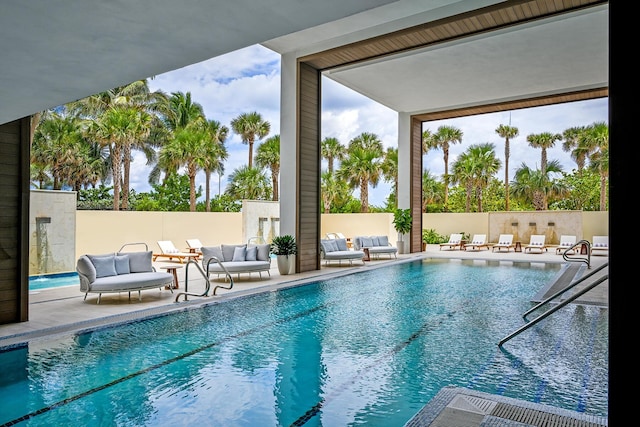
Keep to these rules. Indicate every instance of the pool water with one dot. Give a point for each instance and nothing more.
(370, 348)
(53, 280)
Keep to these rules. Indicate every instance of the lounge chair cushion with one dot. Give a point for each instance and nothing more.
(341, 244)
(105, 265)
(252, 254)
(264, 252)
(239, 254)
(140, 262)
(211, 251)
(122, 264)
(86, 268)
(383, 241)
(366, 242)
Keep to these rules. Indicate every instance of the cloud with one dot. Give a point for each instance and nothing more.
(249, 80)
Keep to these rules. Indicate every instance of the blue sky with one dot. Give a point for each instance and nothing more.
(249, 80)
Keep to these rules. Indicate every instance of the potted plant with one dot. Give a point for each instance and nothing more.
(282, 247)
(430, 236)
(402, 222)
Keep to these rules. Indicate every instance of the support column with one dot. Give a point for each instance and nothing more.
(410, 174)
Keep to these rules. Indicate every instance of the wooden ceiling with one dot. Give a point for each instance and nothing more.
(498, 16)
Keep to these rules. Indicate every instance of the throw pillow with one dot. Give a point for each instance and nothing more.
(140, 262)
(366, 242)
(326, 246)
(252, 254)
(122, 264)
(383, 240)
(264, 251)
(342, 244)
(86, 268)
(374, 241)
(211, 251)
(333, 244)
(105, 265)
(228, 251)
(239, 254)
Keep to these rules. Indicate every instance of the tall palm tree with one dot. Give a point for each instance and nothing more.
(268, 156)
(543, 141)
(431, 190)
(507, 132)
(442, 139)
(332, 150)
(389, 167)
(250, 126)
(216, 155)
(248, 183)
(427, 141)
(571, 138)
(330, 190)
(487, 164)
(361, 166)
(595, 140)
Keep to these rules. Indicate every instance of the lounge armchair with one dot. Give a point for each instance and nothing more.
(168, 250)
(566, 242)
(600, 245)
(505, 241)
(454, 242)
(536, 242)
(478, 242)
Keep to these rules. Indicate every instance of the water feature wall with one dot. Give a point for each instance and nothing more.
(52, 231)
(522, 224)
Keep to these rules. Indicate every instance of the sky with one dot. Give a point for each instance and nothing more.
(248, 80)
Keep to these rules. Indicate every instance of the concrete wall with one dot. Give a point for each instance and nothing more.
(260, 219)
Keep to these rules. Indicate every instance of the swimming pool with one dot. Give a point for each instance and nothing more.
(366, 349)
(55, 280)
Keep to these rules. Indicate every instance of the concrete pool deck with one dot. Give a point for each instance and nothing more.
(63, 310)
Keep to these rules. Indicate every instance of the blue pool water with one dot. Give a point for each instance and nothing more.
(53, 280)
(370, 348)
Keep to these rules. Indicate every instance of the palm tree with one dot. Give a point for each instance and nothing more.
(507, 132)
(571, 139)
(250, 126)
(543, 141)
(595, 140)
(361, 166)
(427, 142)
(443, 138)
(487, 164)
(431, 190)
(332, 150)
(217, 153)
(536, 187)
(330, 190)
(389, 169)
(268, 156)
(248, 183)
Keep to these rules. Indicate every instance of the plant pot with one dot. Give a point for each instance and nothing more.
(284, 264)
(400, 246)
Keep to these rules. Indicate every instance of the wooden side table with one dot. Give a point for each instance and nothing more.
(517, 247)
(367, 256)
(173, 269)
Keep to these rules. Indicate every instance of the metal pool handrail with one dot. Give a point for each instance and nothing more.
(559, 306)
(146, 248)
(574, 247)
(205, 275)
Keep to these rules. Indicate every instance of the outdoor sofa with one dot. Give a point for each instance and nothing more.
(237, 259)
(337, 250)
(377, 245)
(120, 272)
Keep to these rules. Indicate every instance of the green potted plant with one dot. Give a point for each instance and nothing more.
(402, 222)
(282, 247)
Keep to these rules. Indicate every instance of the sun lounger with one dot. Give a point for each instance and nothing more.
(600, 245)
(478, 242)
(168, 250)
(566, 242)
(505, 241)
(536, 243)
(454, 242)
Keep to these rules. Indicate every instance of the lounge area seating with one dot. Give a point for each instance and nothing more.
(566, 242)
(600, 245)
(376, 245)
(455, 242)
(237, 259)
(194, 245)
(536, 242)
(505, 241)
(168, 250)
(479, 241)
(120, 272)
(336, 250)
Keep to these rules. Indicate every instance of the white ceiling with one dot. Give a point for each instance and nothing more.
(57, 51)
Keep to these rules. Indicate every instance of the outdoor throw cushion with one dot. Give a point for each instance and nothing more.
(211, 251)
(326, 246)
(140, 262)
(374, 241)
(105, 265)
(383, 241)
(228, 251)
(239, 253)
(342, 244)
(264, 251)
(252, 254)
(366, 242)
(122, 264)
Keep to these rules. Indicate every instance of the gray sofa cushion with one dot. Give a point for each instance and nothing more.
(383, 240)
(105, 265)
(264, 252)
(366, 242)
(122, 264)
(85, 267)
(140, 262)
(240, 266)
(252, 254)
(239, 254)
(228, 251)
(341, 244)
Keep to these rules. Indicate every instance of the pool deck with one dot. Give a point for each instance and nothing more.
(63, 310)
